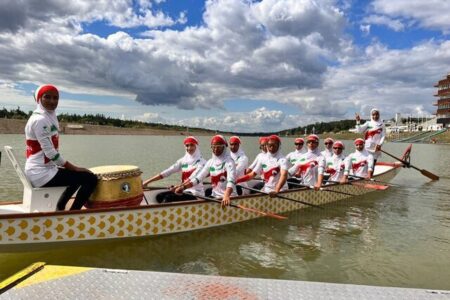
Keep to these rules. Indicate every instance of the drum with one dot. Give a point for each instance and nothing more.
(117, 186)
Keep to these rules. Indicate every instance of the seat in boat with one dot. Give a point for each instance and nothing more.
(34, 199)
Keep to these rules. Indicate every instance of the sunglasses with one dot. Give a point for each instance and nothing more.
(328, 143)
(298, 144)
(337, 148)
(312, 142)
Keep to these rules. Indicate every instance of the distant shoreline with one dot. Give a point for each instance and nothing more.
(17, 126)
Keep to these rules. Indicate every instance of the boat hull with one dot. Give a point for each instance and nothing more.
(149, 220)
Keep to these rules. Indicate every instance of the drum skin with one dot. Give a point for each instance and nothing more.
(119, 185)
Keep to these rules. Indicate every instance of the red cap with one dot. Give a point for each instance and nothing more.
(235, 140)
(359, 141)
(263, 140)
(328, 139)
(339, 144)
(190, 140)
(40, 91)
(274, 137)
(312, 137)
(299, 140)
(218, 139)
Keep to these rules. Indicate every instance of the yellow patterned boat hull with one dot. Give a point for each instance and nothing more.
(149, 220)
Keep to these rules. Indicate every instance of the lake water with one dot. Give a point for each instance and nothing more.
(398, 237)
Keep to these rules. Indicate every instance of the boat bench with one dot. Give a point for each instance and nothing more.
(35, 199)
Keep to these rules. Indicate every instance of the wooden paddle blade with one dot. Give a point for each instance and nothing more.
(376, 186)
(429, 174)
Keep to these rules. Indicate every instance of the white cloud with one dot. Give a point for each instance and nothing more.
(395, 25)
(431, 14)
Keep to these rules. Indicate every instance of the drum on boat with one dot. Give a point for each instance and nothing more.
(119, 185)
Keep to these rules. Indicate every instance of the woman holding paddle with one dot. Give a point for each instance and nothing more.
(222, 170)
(191, 163)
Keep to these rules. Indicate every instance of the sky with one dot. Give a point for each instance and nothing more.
(234, 65)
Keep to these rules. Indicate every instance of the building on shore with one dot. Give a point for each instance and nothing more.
(443, 103)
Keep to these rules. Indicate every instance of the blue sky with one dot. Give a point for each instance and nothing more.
(238, 65)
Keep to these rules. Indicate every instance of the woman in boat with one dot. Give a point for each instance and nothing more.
(310, 166)
(45, 167)
(273, 166)
(292, 158)
(374, 133)
(222, 170)
(335, 165)
(328, 151)
(263, 148)
(240, 160)
(359, 163)
(190, 164)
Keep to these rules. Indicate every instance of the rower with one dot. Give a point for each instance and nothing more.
(263, 148)
(273, 166)
(374, 133)
(335, 165)
(222, 170)
(293, 157)
(360, 162)
(310, 166)
(240, 160)
(328, 151)
(191, 163)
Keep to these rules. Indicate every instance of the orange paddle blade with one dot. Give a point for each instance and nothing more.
(267, 214)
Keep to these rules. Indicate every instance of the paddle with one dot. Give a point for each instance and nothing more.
(366, 185)
(409, 165)
(281, 197)
(267, 214)
(321, 189)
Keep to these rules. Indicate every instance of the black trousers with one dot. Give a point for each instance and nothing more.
(257, 186)
(166, 197)
(293, 180)
(84, 181)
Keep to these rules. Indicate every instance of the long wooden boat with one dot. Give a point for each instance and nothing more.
(19, 227)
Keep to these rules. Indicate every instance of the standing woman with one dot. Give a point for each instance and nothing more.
(189, 165)
(45, 167)
(374, 133)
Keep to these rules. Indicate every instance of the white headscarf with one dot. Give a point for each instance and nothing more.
(192, 158)
(50, 114)
(379, 122)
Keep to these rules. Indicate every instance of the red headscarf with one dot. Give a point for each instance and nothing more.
(40, 91)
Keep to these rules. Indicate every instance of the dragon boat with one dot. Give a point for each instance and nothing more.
(33, 220)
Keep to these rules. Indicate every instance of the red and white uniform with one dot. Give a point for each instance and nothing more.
(189, 166)
(241, 162)
(223, 174)
(359, 163)
(258, 158)
(335, 166)
(270, 166)
(294, 156)
(308, 167)
(327, 153)
(42, 140)
(374, 134)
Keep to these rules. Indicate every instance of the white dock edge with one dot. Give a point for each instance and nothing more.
(87, 283)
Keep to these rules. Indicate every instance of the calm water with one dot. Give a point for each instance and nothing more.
(399, 237)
